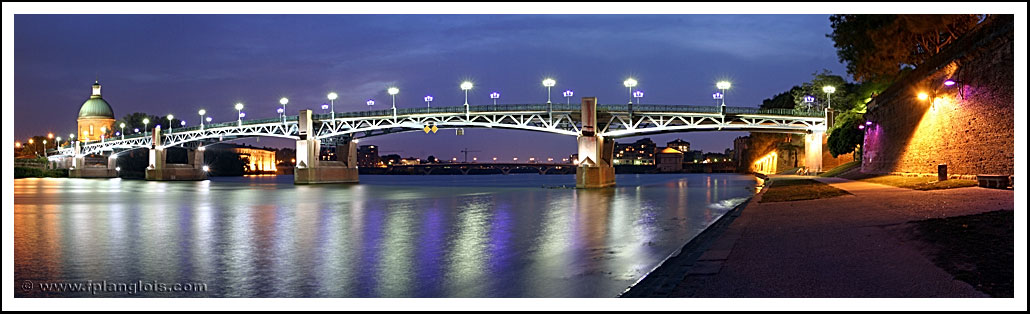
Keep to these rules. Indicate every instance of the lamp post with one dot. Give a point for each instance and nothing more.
(283, 102)
(146, 121)
(494, 96)
(549, 82)
(280, 111)
(568, 96)
(428, 99)
(170, 123)
(239, 114)
(638, 94)
(103, 133)
(122, 125)
(44, 147)
(630, 83)
(717, 96)
(58, 144)
(828, 90)
(182, 123)
(808, 100)
(71, 138)
(332, 105)
(466, 86)
(201, 112)
(324, 108)
(723, 86)
(370, 103)
(393, 98)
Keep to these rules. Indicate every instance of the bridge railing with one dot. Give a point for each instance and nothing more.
(707, 109)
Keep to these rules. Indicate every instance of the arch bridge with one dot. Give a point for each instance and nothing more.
(595, 126)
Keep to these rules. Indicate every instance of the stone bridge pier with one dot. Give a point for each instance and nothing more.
(310, 169)
(595, 169)
(80, 169)
(158, 169)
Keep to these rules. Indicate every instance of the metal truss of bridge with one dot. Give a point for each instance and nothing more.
(600, 122)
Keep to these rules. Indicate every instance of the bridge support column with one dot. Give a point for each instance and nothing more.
(595, 153)
(311, 170)
(158, 168)
(79, 169)
(814, 152)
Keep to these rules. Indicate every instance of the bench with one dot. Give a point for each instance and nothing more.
(997, 181)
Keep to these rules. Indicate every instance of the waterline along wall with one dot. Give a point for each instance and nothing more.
(957, 108)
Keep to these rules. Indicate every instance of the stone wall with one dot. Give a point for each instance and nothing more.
(968, 126)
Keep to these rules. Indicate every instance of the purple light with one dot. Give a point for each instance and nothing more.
(495, 95)
(136, 130)
(809, 99)
(949, 82)
(182, 123)
(869, 123)
(567, 93)
(638, 94)
(860, 127)
(717, 95)
(280, 110)
(370, 102)
(243, 114)
(428, 98)
(325, 106)
(117, 133)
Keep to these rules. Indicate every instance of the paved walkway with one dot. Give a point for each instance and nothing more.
(846, 246)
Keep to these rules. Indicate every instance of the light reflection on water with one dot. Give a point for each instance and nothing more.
(390, 236)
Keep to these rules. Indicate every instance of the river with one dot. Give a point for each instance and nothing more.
(389, 236)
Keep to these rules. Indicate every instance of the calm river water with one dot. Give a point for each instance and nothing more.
(389, 236)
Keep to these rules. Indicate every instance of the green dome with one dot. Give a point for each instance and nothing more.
(96, 107)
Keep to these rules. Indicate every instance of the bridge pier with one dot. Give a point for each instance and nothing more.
(158, 169)
(814, 152)
(79, 169)
(595, 169)
(311, 170)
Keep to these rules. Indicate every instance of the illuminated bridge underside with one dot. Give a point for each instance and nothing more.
(614, 121)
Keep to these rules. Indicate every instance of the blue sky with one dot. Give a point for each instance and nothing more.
(178, 64)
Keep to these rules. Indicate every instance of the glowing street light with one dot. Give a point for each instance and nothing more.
(393, 98)
(828, 90)
(170, 123)
(638, 94)
(103, 133)
(281, 112)
(568, 96)
(324, 108)
(58, 142)
(808, 100)
(494, 96)
(201, 112)
(239, 114)
(283, 101)
(44, 148)
(146, 122)
(722, 86)
(630, 83)
(549, 82)
(182, 123)
(466, 86)
(207, 119)
(332, 105)
(370, 103)
(923, 96)
(428, 99)
(122, 125)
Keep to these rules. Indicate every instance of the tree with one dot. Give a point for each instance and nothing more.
(135, 121)
(784, 100)
(837, 99)
(878, 46)
(432, 159)
(846, 135)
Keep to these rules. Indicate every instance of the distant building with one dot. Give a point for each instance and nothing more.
(258, 159)
(694, 156)
(639, 153)
(368, 156)
(679, 145)
(740, 146)
(670, 160)
(96, 118)
(410, 161)
(715, 157)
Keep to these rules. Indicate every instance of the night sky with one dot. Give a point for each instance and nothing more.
(177, 64)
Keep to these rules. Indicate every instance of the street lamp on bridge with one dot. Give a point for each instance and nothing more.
(146, 121)
(170, 123)
(549, 82)
(122, 125)
(201, 112)
(283, 102)
(239, 114)
(828, 90)
(466, 86)
(722, 86)
(568, 96)
(494, 96)
(280, 111)
(630, 83)
(428, 99)
(332, 105)
(370, 103)
(393, 98)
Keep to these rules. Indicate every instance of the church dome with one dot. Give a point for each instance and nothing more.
(95, 106)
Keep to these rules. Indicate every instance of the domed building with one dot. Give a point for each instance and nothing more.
(96, 118)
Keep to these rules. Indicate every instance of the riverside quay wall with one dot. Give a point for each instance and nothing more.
(964, 117)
